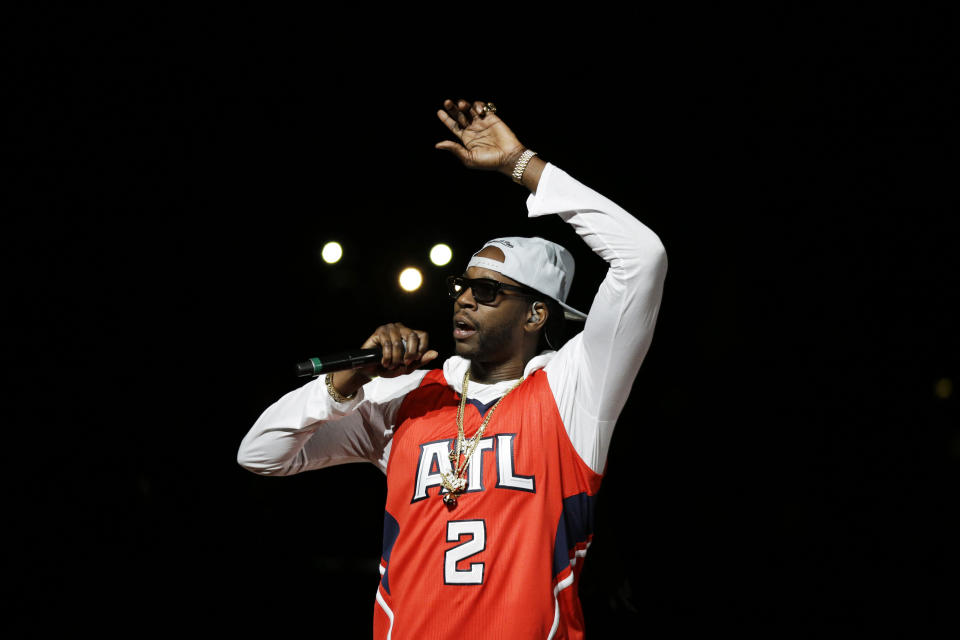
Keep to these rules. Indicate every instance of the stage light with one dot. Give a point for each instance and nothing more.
(441, 254)
(410, 279)
(944, 388)
(331, 252)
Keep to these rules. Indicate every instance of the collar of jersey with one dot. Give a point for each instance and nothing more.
(455, 366)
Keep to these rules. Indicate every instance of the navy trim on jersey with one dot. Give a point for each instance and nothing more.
(575, 526)
(482, 408)
(391, 529)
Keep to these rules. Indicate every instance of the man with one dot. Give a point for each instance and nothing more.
(494, 460)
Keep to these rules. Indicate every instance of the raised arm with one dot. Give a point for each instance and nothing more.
(591, 376)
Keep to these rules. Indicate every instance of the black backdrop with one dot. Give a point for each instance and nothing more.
(784, 464)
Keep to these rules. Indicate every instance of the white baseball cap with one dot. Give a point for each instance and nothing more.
(536, 263)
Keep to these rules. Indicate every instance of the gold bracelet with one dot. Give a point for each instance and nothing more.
(332, 390)
(521, 165)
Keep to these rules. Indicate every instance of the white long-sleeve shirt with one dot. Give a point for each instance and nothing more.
(590, 376)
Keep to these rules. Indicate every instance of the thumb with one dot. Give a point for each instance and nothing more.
(426, 358)
(454, 148)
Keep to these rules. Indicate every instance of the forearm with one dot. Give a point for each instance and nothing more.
(276, 443)
(349, 382)
(632, 250)
(308, 429)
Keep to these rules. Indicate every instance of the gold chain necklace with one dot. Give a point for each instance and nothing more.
(456, 483)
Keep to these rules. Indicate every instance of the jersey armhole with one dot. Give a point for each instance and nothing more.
(594, 478)
(432, 377)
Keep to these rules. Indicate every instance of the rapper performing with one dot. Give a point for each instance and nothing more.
(494, 456)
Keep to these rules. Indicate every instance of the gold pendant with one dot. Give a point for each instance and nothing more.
(454, 486)
(452, 483)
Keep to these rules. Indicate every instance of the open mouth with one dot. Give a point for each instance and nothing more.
(462, 329)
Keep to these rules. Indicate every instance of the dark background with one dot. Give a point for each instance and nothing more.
(784, 465)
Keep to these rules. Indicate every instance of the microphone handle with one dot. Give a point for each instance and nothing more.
(353, 359)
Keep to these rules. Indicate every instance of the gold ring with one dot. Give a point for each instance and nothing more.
(489, 108)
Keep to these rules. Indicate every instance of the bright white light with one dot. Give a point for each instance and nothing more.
(410, 279)
(331, 252)
(440, 255)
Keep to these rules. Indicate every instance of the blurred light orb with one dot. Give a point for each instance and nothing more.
(944, 388)
(410, 279)
(331, 252)
(441, 254)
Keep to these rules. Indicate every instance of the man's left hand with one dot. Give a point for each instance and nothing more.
(486, 142)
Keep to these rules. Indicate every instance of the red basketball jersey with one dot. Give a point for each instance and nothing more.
(504, 563)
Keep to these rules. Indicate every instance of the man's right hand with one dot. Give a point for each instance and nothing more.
(397, 360)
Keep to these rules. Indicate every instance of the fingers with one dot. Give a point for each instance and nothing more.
(417, 343)
(391, 343)
(460, 114)
(483, 138)
(450, 122)
(463, 108)
(457, 113)
(411, 346)
(403, 349)
(425, 358)
(478, 109)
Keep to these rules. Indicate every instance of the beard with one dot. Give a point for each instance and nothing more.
(488, 344)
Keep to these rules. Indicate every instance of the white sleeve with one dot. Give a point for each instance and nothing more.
(592, 374)
(306, 429)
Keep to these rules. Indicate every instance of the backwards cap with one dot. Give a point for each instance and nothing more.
(536, 263)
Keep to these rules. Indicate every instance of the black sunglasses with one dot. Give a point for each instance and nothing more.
(485, 290)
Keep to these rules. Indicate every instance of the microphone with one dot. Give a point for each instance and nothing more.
(353, 359)
(339, 361)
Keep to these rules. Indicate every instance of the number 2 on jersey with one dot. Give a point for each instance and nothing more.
(475, 543)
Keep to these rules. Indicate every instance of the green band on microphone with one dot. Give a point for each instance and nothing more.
(317, 365)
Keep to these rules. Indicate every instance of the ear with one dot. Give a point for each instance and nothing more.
(538, 316)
